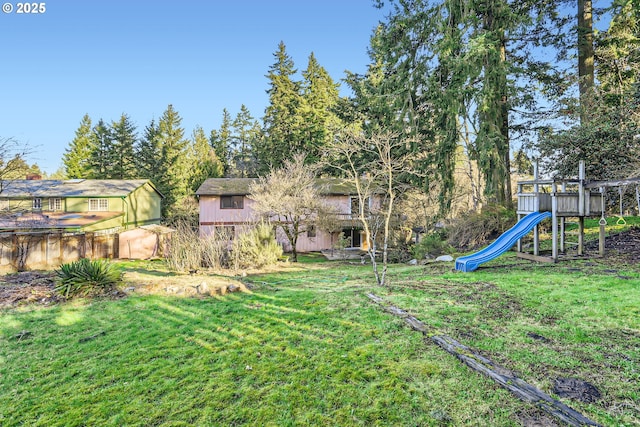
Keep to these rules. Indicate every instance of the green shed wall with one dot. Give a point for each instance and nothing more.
(142, 207)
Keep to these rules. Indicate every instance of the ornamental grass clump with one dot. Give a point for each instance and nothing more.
(256, 248)
(86, 277)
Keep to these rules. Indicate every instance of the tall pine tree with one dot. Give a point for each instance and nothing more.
(123, 137)
(101, 158)
(203, 160)
(246, 134)
(319, 97)
(282, 122)
(221, 142)
(77, 158)
(445, 72)
(149, 154)
(174, 170)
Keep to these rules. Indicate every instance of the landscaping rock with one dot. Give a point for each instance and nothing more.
(204, 289)
(444, 258)
(413, 262)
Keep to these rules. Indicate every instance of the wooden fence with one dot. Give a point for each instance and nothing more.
(34, 250)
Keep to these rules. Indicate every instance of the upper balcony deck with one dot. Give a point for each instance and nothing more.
(572, 199)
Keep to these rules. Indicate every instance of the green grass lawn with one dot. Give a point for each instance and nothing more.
(306, 347)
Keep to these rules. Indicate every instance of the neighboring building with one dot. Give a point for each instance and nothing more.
(78, 204)
(225, 205)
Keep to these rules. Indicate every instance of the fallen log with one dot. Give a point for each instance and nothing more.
(501, 375)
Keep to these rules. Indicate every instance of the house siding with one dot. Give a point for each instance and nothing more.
(137, 202)
(141, 207)
(212, 216)
(81, 204)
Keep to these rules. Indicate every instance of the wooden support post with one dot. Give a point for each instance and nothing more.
(581, 236)
(581, 190)
(536, 208)
(519, 243)
(554, 223)
(563, 224)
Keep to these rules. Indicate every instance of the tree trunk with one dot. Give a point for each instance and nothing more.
(585, 57)
(504, 128)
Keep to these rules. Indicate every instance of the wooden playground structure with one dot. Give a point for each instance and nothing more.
(569, 201)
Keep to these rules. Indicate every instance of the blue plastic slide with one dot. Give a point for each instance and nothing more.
(502, 243)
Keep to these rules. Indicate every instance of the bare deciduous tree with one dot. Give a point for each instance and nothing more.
(289, 197)
(373, 165)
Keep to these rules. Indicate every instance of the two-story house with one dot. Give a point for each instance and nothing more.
(225, 203)
(78, 204)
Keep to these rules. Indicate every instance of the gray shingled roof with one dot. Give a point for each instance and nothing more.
(17, 188)
(240, 186)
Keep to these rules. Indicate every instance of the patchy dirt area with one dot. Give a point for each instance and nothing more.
(181, 285)
(625, 245)
(37, 287)
(28, 287)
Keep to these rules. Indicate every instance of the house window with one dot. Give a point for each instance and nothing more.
(355, 205)
(99, 205)
(232, 202)
(55, 204)
(37, 204)
(311, 231)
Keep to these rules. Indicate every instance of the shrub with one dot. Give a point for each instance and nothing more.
(430, 245)
(477, 229)
(215, 250)
(398, 255)
(184, 250)
(86, 277)
(256, 247)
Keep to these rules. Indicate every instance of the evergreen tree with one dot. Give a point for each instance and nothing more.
(607, 141)
(149, 154)
(282, 121)
(488, 47)
(174, 170)
(18, 168)
(77, 158)
(617, 53)
(585, 57)
(101, 151)
(204, 161)
(246, 132)
(446, 72)
(221, 142)
(123, 136)
(319, 97)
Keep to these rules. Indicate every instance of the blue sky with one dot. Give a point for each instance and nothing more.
(108, 57)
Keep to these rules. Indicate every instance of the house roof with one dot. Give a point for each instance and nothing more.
(54, 220)
(19, 188)
(240, 186)
(225, 187)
